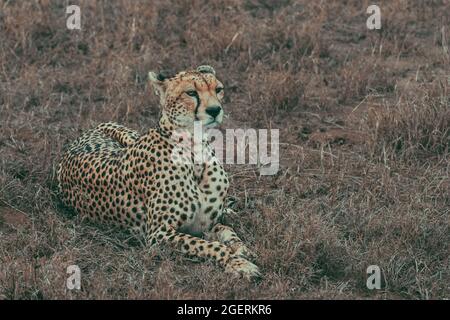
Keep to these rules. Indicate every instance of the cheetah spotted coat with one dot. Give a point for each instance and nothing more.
(115, 176)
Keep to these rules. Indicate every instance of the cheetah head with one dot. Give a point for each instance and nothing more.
(193, 95)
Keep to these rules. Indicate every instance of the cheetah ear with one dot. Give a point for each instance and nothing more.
(158, 84)
(206, 69)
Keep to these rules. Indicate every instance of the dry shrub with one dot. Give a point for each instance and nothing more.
(299, 66)
(361, 77)
(416, 126)
(275, 91)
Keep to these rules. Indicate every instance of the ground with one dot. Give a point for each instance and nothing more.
(364, 124)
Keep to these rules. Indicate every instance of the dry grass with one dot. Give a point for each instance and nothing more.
(364, 120)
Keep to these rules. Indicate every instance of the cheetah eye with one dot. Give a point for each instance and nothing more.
(219, 90)
(192, 93)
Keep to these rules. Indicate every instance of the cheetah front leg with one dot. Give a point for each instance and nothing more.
(227, 236)
(194, 246)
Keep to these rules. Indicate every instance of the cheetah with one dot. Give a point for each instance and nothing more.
(114, 176)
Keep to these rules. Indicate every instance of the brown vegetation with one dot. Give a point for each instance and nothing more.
(364, 126)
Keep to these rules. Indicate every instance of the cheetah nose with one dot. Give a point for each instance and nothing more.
(213, 111)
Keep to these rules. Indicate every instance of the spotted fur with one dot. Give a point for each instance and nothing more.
(113, 175)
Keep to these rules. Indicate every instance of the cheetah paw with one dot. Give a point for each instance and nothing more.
(242, 250)
(243, 268)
